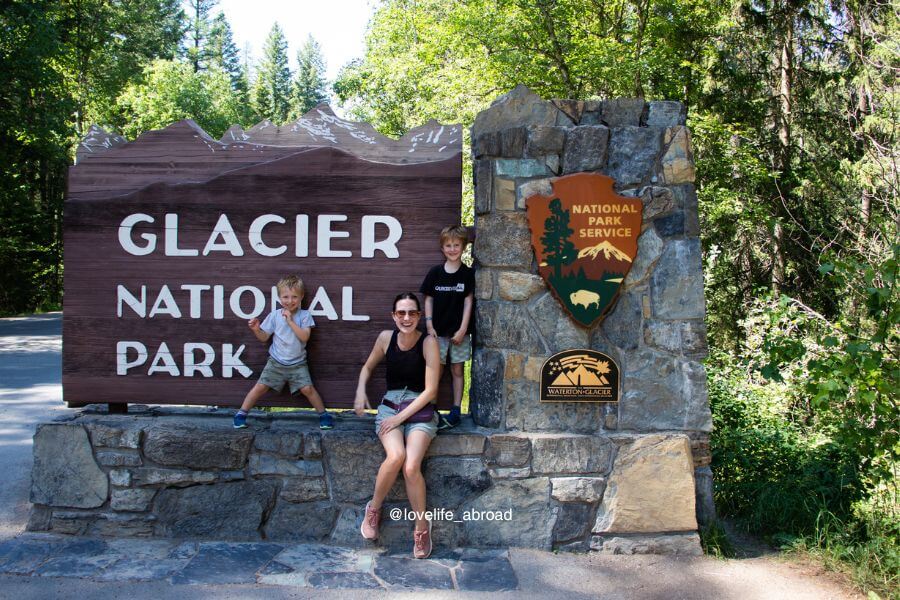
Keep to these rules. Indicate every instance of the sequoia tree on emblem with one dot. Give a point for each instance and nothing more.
(584, 236)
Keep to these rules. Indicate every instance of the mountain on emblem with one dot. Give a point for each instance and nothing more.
(584, 236)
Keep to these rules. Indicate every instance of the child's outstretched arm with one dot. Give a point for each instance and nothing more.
(261, 335)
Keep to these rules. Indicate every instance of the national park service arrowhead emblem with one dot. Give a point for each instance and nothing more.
(584, 236)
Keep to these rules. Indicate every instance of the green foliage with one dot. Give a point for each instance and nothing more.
(172, 91)
(309, 83)
(271, 90)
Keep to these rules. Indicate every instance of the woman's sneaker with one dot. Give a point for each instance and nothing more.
(422, 542)
(326, 421)
(371, 521)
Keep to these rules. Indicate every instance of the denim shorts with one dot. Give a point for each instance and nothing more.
(275, 375)
(398, 396)
(459, 353)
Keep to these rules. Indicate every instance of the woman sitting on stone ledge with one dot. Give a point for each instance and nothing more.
(406, 421)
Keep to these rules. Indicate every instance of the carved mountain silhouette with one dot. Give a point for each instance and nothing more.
(579, 376)
(608, 250)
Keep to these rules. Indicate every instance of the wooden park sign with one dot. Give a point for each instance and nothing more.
(175, 240)
(584, 236)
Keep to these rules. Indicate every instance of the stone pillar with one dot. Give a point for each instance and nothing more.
(656, 330)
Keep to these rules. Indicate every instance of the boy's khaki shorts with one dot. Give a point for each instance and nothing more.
(459, 353)
(275, 375)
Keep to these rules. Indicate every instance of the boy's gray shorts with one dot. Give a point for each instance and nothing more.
(459, 353)
(398, 396)
(275, 375)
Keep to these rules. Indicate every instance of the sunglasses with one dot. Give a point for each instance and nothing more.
(404, 313)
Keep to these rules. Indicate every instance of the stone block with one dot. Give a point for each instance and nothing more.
(622, 325)
(633, 153)
(530, 188)
(486, 392)
(508, 451)
(650, 247)
(504, 240)
(526, 413)
(556, 326)
(572, 108)
(677, 163)
(686, 544)
(456, 444)
(553, 163)
(487, 144)
(505, 325)
(664, 113)
(512, 142)
(131, 500)
(286, 444)
(267, 464)
(204, 510)
(544, 140)
(451, 482)
(693, 339)
(197, 447)
(585, 149)
(305, 522)
(571, 454)
(510, 472)
(484, 284)
(312, 444)
(620, 112)
(516, 108)
(514, 168)
(122, 525)
(676, 285)
(346, 529)
(120, 477)
(671, 225)
(353, 459)
(663, 335)
(304, 489)
(114, 435)
(578, 489)
(504, 194)
(515, 366)
(657, 201)
(532, 515)
(65, 472)
(483, 181)
(533, 367)
(516, 286)
(706, 505)
(147, 476)
(573, 522)
(650, 488)
(117, 458)
(686, 197)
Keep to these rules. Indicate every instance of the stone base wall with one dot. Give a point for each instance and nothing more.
(185, 473)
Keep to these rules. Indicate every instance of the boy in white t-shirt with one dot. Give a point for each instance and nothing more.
(290, 328)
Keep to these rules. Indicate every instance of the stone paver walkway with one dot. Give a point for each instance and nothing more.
(299, 565)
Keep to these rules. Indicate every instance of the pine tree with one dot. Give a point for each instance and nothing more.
(558, 248)
(309, 86)
(222, 50)
(272, 88)
(198, 34)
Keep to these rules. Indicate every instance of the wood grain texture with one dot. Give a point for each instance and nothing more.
(181, 171)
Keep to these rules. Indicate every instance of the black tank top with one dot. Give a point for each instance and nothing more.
(406, 369)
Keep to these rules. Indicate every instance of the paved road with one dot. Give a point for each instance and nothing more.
(30, 392)
(42, 566)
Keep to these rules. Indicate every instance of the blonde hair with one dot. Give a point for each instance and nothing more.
(291, 282)
(455, 232)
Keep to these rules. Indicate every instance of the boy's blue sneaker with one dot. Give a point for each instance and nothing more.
(451, 420)
(240, 421)
(326, 421)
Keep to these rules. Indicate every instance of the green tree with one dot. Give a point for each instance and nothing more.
(172, 91)
(309, 88)
(272, 88)
(197, 37)
(222, 51)
(558, 248)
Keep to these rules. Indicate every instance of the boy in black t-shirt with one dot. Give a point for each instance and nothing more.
(449, 289)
